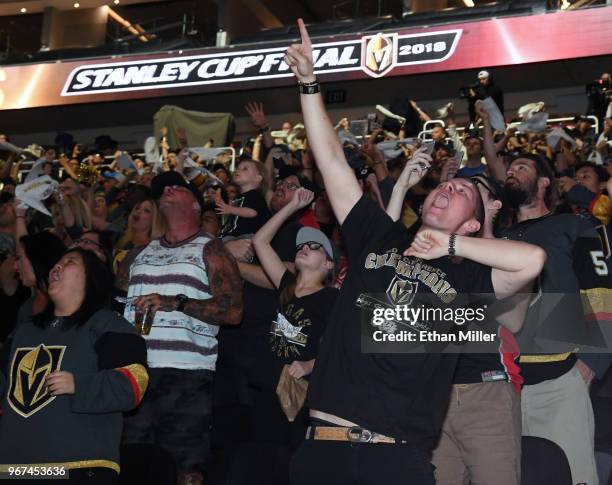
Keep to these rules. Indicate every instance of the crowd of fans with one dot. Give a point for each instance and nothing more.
(229, 272)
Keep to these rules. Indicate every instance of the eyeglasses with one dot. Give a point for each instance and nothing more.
(290, 185)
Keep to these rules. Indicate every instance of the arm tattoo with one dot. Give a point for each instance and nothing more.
(225, 306)
(123, 269)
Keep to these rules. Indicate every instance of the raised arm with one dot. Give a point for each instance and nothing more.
(514, 263)
(495, 163)
(340, 181)
(413, 172)
(270, 261)
(258, 118)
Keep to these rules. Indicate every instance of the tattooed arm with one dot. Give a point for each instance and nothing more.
(123, 269)
(225, 306)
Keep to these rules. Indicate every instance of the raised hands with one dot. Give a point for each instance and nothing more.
(302, 198)
(449, 169)
(256, 112)
(299, 57)
(482, 113)
(415, 168)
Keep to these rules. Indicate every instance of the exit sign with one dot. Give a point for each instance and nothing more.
(335, 96)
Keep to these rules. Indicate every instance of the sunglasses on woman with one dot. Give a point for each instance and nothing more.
(312, 245)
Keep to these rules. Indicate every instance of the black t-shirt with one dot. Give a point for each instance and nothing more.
(238, 226)
(259, 305)
(296, 330)
(400, 395)
(557, 235)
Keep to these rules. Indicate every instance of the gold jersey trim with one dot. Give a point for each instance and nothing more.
(541, 359)
(68, 465)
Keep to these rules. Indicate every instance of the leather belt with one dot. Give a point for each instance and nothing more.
(353, 434)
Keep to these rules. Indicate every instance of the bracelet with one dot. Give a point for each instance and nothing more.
(264, 128)
(451, 244)
(312, 87)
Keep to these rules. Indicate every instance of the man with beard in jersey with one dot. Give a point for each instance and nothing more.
(555, 396)
(376, 417)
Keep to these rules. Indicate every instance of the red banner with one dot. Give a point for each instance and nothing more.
(487, 43)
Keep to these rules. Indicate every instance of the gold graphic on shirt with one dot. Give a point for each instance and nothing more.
(28, 392)
(415, 270)
(401, 291)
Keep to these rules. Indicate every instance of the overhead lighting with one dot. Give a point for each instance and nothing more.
(468, 3)
(23, 10)
(77, 5)
(116, 2)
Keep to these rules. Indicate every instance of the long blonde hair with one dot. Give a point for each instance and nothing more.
(80, 210)
(158, 225)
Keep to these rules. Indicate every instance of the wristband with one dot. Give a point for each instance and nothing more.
(264, 128)
(451, 244)
(309, 88)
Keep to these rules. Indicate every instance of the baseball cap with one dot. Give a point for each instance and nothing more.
(172, 178)
(483, 74)
(310, 234)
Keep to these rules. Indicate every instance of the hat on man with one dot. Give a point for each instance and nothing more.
(483, 74)
(172, 178)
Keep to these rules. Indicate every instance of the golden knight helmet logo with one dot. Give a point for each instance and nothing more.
(28, 392)
(379, 54)
(401, 291)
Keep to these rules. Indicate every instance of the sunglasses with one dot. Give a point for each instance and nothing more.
(478, 181)
(312, 245)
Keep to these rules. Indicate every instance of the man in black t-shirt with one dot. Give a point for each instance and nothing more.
(377, 416)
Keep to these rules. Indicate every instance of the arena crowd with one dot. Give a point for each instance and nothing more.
(197, 320)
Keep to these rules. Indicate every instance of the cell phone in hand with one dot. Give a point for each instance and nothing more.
(429, 147)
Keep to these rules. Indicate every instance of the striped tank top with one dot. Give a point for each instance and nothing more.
(176, 340)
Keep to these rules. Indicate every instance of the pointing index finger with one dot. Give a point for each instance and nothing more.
(303, 33)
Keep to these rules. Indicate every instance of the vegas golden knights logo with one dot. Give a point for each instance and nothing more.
(401, 291)
(28, 392)
(379, 54)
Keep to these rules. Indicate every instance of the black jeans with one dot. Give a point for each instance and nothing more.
(342, 462)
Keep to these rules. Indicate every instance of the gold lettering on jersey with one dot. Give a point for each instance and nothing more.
(413, 269)
(29, 369)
